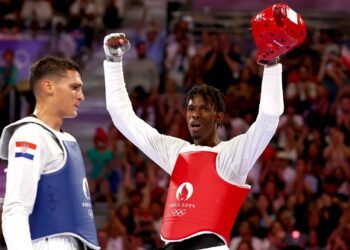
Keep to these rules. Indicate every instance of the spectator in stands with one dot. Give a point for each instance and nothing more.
(276, 236)
(115, 234)
(327, 213)
(344, 188)
(10, 28)
(272, 186)
(289, 120)
(61, 42)
(336, 153)
(61, 7)
(169, 103)
(125, 215)
(142, 71)
(285, 168)
(156, 212)
(287, 219)
(313, 243)
(10, 8)
(301, 89)
(295, 58)
(222, 64)
(245, 245)
(266, 209)
(135, 242)
(144, 105)
(111, 16)
(332, 73)
(195, 72)
(339, 239)
(318, 114)
(102, 238)
(314, 162)
(304, 172)
(101, 158)
(154, 37)
(205, 44)
(105, 195)
(245, 234)
(37, 11)
(342, 116)
(10, 103)
(293, 144)
(84, 14)
(253, 67)
(180, 30)
(244, 95)
(177, 60)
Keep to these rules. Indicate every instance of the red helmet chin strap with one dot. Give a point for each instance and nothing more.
(276, 31)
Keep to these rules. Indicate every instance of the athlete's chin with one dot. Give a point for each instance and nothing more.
(72, 115)
(195, 136)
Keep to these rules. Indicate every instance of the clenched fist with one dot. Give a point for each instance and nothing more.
(115, 45)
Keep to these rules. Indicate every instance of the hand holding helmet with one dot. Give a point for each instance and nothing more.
(276, 31)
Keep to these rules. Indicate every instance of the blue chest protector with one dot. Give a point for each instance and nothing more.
(62, 205)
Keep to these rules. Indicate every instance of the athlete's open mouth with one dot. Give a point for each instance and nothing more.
(195, 125)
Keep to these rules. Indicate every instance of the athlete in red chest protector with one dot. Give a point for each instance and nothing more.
(207, 183)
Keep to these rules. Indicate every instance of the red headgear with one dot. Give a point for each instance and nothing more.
(277, 30)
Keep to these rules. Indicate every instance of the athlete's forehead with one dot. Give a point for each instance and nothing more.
(200, 99)
(72, 76)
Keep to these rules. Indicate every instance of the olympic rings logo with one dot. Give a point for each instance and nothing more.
(178, 212)
(91, 214)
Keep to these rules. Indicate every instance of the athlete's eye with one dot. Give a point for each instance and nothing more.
(204, 108)
(190, 108)
(76, 87)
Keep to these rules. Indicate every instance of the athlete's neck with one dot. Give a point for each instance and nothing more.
(208, 143)
(51, 120)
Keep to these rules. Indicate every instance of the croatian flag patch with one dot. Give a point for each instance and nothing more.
(25, 149)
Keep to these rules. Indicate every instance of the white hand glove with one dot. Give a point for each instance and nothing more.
(115, 45)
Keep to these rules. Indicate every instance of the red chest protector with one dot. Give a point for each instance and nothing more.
(199, 200)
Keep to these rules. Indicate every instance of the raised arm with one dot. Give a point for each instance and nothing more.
(241, 152)
(285, 31)
(146, 138)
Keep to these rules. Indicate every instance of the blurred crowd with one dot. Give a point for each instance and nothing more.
(300, 184)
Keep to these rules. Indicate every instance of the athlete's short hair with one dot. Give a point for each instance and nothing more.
(50, 66)
(207, 91)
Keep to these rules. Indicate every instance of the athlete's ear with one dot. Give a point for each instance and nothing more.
(219, 118)
(47, 86)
